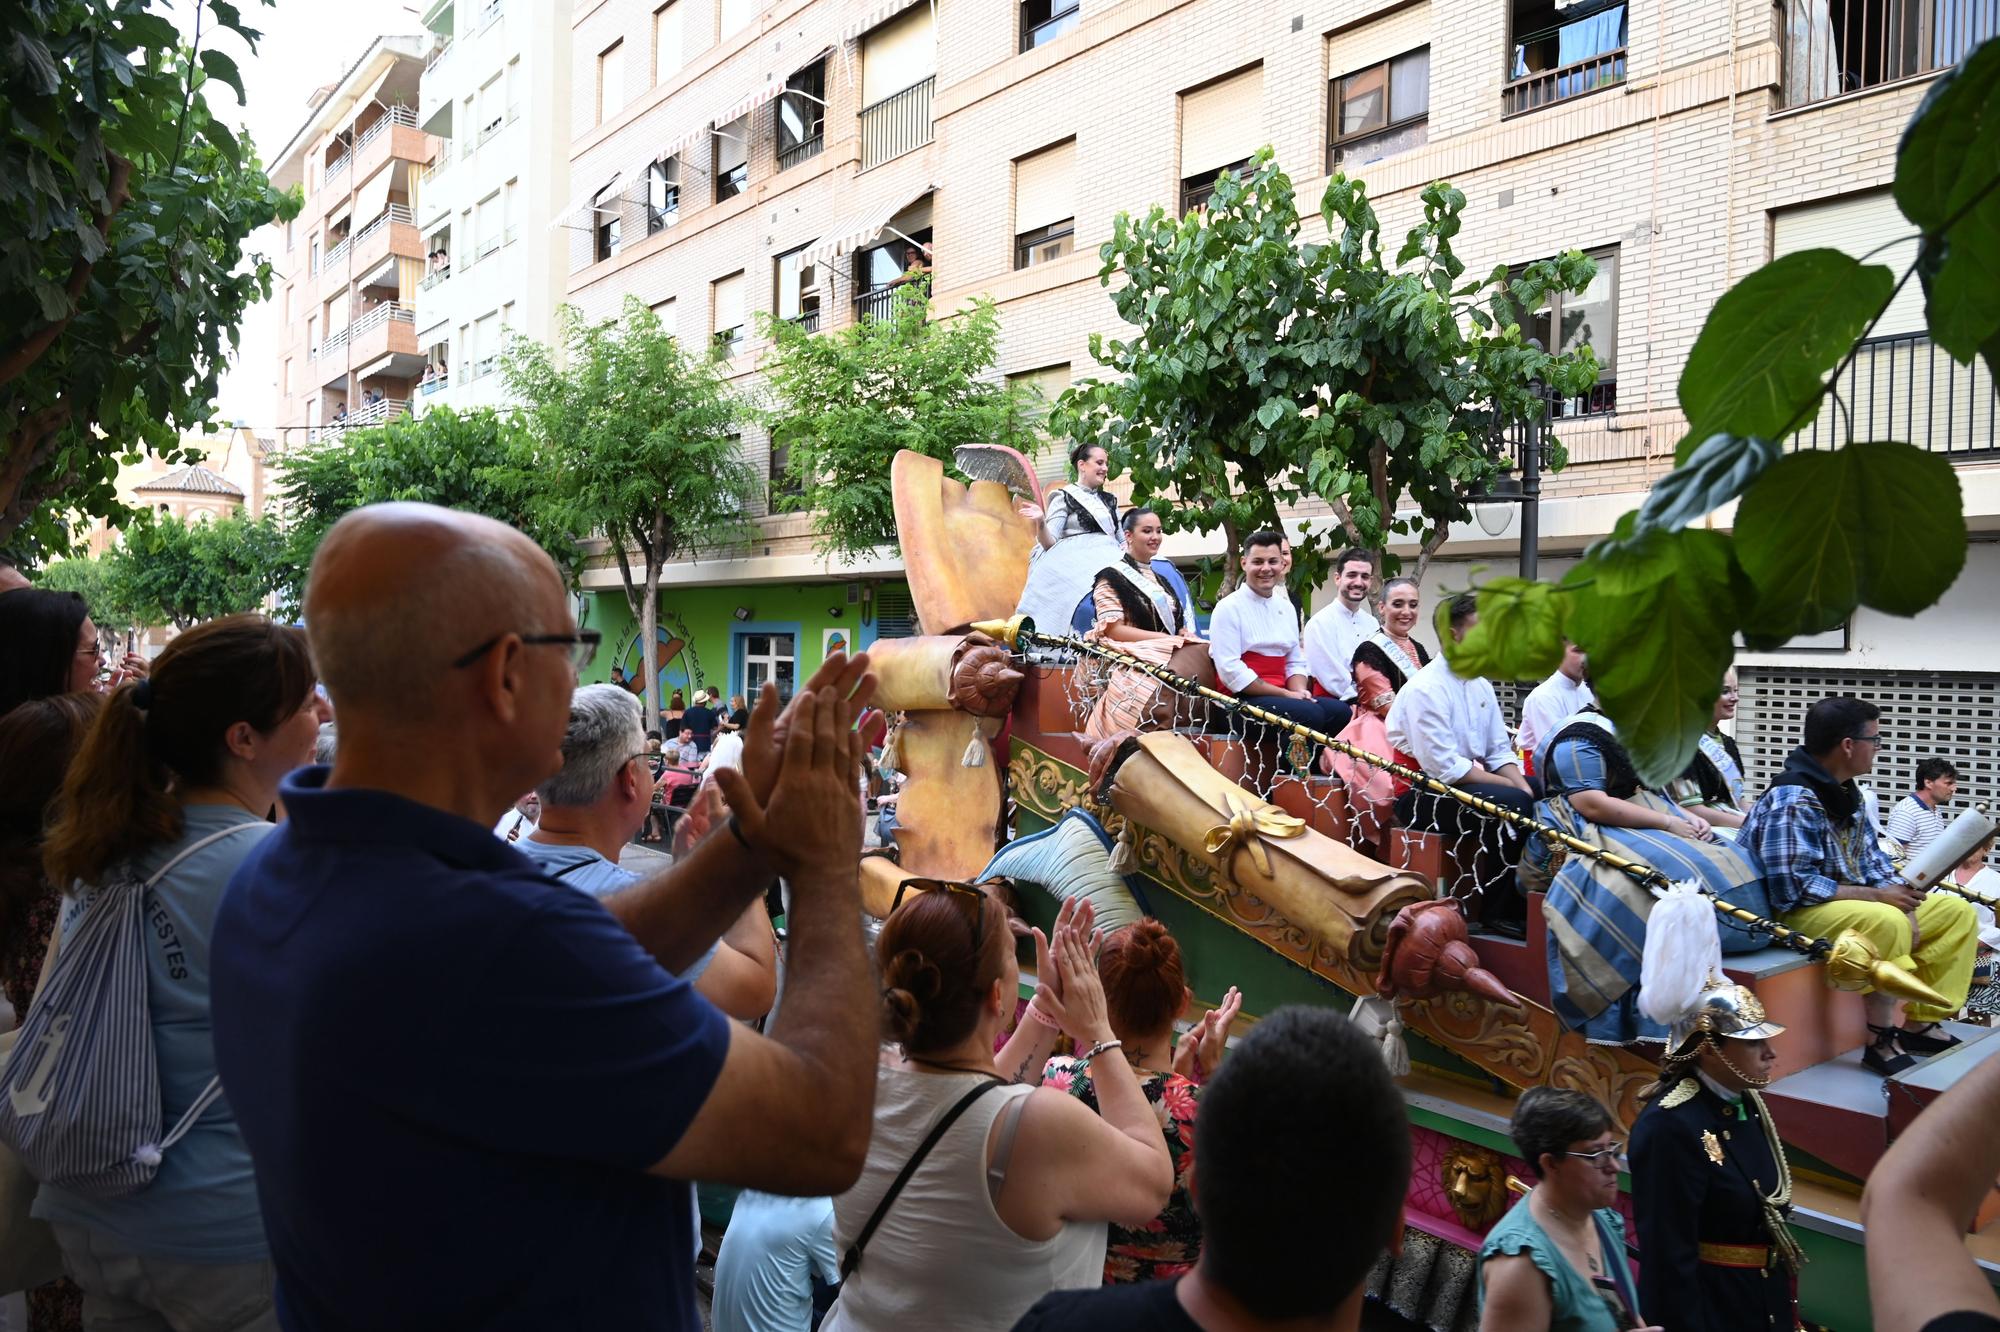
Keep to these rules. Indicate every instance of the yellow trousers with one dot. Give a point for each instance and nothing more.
(1948, 937)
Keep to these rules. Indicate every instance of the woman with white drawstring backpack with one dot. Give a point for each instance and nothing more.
(111, 1098)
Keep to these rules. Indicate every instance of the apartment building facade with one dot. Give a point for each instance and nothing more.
(351, 262)
(495, 96)
(728, 159)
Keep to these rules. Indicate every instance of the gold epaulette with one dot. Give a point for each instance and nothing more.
(1683, 1092)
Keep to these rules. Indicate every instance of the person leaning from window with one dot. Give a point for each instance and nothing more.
(1915, 821)
(1556, 1261)
(1145, 993)
(1012, 1200)
(1825, 874)
(195, 750)
(1713, 785)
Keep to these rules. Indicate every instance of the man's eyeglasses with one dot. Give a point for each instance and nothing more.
(1875, 739)
(954, 889)
(582, 647)
(1611, 1155)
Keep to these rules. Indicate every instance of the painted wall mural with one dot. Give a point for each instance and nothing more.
(680, 663)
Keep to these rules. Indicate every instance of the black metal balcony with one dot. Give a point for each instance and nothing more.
(1905, 388)
(1833, 47)
(800, 152)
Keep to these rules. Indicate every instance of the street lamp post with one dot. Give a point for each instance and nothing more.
(1520, 449)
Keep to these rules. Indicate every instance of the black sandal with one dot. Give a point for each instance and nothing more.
(1894, 1061)
(1932, 1040)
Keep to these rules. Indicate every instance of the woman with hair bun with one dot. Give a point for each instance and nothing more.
(1005, 1188)
(1145, 991)
(176, 779)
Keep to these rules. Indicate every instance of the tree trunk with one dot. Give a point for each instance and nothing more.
(649, 638)
(645, 612)
(1432, 544)
(1232, 566)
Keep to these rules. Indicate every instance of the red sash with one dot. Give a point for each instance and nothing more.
(1270, 667)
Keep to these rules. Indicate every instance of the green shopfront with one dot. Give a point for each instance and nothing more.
(732, 639)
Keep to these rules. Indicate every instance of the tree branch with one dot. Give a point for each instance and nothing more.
(17, 362)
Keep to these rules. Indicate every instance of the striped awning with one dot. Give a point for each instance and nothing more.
(857, 230)
(875, 16)
(585, 200)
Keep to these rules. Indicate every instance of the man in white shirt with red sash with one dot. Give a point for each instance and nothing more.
(1254, 642)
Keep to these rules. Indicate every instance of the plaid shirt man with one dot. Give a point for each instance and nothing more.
(1805, 855)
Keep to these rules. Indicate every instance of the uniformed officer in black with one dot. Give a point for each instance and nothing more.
(1710, 1186)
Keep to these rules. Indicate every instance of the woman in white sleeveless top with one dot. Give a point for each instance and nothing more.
(1012, 1200)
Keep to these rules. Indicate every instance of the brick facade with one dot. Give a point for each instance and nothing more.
(1678, 167)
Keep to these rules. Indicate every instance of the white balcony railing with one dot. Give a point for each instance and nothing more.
(386, 313)
(393, 213)
(396, 115)
(438, 53)
(491, 13)
(337, 165)
(334, 342)
(336, 255)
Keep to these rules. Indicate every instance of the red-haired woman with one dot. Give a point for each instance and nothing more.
(1145, 990)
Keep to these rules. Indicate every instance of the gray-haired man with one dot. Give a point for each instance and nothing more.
(596, 803)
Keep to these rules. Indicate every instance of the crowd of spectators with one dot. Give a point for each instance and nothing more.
(468, 1079)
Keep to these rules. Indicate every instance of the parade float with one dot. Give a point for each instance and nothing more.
(1270, 883)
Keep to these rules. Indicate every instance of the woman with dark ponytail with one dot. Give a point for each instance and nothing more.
(982, 1193)
(179, 773)
(1145, 992)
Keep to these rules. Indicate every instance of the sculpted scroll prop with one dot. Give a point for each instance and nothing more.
(1341, 897)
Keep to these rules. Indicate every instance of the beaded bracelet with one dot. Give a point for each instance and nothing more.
(1099, 1049)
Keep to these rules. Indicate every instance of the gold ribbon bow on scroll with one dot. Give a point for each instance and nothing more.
(1246, 824)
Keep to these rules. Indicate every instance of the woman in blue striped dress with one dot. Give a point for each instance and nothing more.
(1596, 915)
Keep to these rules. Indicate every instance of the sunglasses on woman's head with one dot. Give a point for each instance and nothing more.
(952, 888)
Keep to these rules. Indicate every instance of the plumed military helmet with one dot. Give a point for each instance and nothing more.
(1724, 1009)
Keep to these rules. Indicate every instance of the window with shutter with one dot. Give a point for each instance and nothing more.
(1044, 204)
(728, 305)
(1222, 124)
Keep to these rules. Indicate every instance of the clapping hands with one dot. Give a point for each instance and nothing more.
(1207, 1041)
(1066, 964)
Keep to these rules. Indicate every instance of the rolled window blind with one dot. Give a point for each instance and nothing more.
(1045, 187)
(1223, 122)
(900, 53)
(1855, 225)
(1372, 43)
(729, 302)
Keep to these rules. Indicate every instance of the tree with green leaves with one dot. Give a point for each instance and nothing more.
(1877, 523)
(94, 579)
(1265, 371)
(168, 571)
(636, 437)
(480, 461)
(123, 216)
(845, 403)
